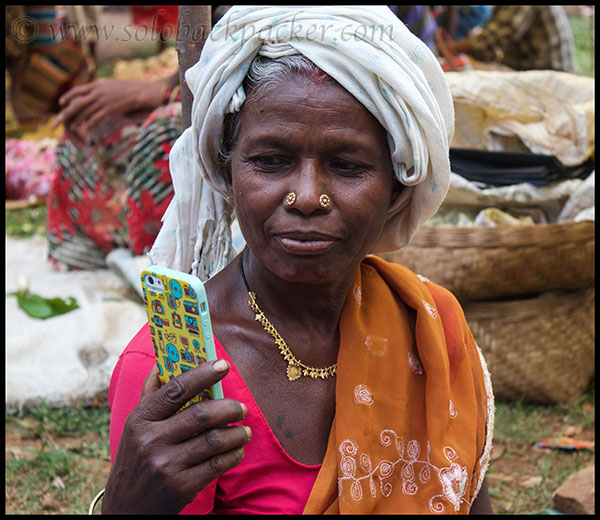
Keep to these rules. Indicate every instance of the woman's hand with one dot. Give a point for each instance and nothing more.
(166, 458)
(84, 106)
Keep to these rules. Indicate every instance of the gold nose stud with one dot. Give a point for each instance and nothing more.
(324, 201)
(290, 199)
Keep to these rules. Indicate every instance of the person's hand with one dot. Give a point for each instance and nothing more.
(165, 459)
(84, 106)
(443, 42)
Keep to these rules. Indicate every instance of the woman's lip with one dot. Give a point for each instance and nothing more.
(311, 246)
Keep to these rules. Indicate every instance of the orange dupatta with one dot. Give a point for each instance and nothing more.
(414, 404)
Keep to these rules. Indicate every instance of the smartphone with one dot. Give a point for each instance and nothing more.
(180, 326)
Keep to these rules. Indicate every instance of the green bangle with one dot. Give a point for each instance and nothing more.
(97, 499)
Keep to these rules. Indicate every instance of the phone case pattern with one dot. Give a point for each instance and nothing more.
(174, 320)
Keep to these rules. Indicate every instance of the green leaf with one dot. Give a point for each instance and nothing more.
(34, 305)
(60, 306)
(42, 308)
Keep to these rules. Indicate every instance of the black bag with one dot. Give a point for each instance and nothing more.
(506, 168)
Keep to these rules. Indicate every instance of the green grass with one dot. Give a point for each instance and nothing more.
(26, 222)
(60, 422)
(71, 444)
(584, 50)
(56, 459)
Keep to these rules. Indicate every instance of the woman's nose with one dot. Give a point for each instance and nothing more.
(309, 186)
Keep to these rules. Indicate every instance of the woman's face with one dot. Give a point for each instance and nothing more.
(310, 139)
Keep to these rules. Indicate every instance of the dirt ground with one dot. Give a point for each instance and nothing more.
(56, 495)
(522, 477)
(513, 475)
(24, 446)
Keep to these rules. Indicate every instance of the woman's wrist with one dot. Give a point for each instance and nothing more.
(150, 95)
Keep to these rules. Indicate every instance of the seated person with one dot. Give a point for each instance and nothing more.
(523, 37)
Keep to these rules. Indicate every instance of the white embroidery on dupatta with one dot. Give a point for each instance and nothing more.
(376, 345)
(431, 310)
(362, 395)
(357, 291)
(453, 412)
(452, 479)
(414, 364)
(484, 460)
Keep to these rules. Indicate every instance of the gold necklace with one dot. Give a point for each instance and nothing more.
(295, 367)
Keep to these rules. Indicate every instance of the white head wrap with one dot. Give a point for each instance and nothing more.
(368, 51)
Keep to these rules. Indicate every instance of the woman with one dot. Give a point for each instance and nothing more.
(113, 182)
(360, 389)
(523, 37)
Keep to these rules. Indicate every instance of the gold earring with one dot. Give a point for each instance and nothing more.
(324, 201)
(290, 199)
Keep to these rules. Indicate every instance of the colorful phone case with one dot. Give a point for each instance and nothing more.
(179, 323)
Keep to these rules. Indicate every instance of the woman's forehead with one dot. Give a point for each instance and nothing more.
(298, 101)
(295, 86)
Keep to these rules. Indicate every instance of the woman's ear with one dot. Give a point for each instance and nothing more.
(228, 182)
(396, 191)
(226, 172)
(398, 187)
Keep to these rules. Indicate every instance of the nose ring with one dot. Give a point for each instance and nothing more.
(290, 199)
(324, 201)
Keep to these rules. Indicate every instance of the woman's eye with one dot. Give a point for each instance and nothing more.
(270, 162)
(347, 168)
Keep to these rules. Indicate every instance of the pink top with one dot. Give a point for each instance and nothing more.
(267, 481)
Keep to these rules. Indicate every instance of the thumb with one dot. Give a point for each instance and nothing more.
(151, 384)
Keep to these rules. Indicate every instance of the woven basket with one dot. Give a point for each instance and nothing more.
(537, 349)
(481, 262)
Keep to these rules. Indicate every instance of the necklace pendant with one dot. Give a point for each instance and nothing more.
(295, 369)
(293, 372)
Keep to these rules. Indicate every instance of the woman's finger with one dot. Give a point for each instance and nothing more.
(79, 90)
(181, 389)
(151, 384)
(72, 109)
(101, 115)
(199, 476)
(204, 415)
(210, 443)
(85, 114)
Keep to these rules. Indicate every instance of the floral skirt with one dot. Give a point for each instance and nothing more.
(112, 192)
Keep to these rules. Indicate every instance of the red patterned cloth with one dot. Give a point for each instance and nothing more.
(112, 192)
